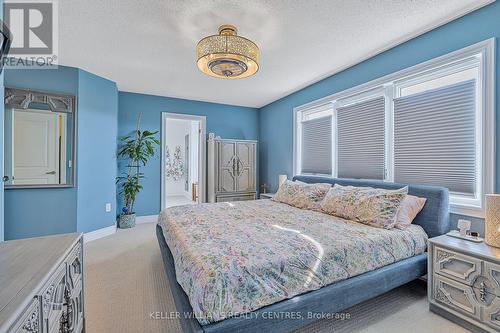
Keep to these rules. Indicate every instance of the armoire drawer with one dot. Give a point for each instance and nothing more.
(456, 266)
(238, 197)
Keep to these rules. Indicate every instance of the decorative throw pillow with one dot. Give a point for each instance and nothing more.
(408, 210)
(372, 206)
(301, 195)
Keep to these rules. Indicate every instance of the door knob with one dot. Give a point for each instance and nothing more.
(5, 179)
(50, 173)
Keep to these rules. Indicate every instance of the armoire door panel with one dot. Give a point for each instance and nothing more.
(245, 180)
(227, 150)
(245, 153)
(227, 182)
(227, 167)
(245, 166)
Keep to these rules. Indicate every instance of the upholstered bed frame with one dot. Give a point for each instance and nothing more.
(434, 218)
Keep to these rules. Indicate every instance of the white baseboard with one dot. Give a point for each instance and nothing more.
(146, 219)
(99, 233)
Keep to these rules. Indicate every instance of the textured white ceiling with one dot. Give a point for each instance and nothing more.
(148, 46)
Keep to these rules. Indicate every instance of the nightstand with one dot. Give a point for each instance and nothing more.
(267, 195)
(464, 282)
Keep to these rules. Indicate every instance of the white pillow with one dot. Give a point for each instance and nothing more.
(372, 206)
(301, 195)
(409, 209)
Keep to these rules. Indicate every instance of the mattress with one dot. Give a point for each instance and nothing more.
(236, 257)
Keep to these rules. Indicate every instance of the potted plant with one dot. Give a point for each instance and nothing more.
(137, 149)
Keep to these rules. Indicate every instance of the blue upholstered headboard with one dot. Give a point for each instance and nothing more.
(434, 217)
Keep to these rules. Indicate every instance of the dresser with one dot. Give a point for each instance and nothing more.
(232, 170)
(41, 285)
(464, 282)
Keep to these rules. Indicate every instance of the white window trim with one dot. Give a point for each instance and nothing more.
(393, 82)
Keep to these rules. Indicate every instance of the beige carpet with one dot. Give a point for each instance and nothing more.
(125, 282)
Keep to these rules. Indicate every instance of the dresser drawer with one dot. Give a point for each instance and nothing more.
(29, 321)
(456, 266)
(53, 300)
(75, 266)
(74, 311)
(456, 296)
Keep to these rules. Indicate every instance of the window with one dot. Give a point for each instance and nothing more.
(315, 144)
(361, 139)
(431, 124)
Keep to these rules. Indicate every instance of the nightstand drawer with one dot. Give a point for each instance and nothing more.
(456, 296)
(491, 314)
(492, 272)
(456, 266)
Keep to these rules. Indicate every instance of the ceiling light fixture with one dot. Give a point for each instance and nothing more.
(227, 55)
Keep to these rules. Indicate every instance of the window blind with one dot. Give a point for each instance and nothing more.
(316, 148)
(361, 139)
(434, 138)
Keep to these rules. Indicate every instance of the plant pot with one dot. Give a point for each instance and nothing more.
(126, 221)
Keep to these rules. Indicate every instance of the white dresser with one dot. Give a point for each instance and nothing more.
(41, 285)
(232, 170)
(464, 282)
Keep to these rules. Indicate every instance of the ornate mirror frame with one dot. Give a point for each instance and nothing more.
(22, 99)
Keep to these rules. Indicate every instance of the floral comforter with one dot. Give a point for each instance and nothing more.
(233, 258)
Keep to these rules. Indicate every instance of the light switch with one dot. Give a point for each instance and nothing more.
(108, 207)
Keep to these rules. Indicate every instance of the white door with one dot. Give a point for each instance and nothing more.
(35, 147)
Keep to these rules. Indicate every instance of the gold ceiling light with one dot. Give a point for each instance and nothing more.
(227, 55)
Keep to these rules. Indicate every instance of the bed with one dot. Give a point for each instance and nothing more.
(261, 265)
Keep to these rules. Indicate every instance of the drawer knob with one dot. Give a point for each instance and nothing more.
(482, 292)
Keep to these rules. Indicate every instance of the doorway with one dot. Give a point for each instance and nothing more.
(183, 160)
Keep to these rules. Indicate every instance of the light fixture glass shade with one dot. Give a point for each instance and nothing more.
(492, 221)
(227, 55)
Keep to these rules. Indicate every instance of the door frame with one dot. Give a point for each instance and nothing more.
(202, 170)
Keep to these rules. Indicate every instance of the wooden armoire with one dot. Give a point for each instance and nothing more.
(232, 170)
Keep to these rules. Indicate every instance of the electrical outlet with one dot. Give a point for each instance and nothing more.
(108, 207)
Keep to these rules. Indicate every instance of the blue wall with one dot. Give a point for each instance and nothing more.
(276, 141)
(224, 120)
(38, 212)
(97, 132)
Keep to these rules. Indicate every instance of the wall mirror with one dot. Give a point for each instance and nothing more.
(39, 139)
